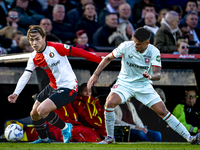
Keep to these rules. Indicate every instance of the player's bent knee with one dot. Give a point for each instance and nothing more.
(34, 115)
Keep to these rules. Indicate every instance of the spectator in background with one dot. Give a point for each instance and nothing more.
(192, 21)
(48, 12)
(4, 8)
(124, 33)
(147, 8)
(150, 22)
(185, 30)
(74, 15)
(178, 9)
(36, 6)
(27, 16)
(126, 114)
(125, 13)
(9, 33)
(198, 7)
(81, 41)
(182, 47)
(100, 37)
(80, 133)
(69, 4)
(23, 46)
(62, 30)
(188, 113)
(190, 8)
(138, 7)
(111, 7)
(88, 22)
(161, 15)
(46, 24)
(166, 36)
(90, 111)
(12, 20)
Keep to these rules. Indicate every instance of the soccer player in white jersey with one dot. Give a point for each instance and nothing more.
(63, 86)
(140, 64)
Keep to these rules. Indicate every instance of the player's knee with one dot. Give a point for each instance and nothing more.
(41, 112)
(110, 104)
(34, 115)
(163, 113)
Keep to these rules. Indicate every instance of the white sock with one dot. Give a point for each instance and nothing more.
(66, 126)
(176, 125)
(109, 121)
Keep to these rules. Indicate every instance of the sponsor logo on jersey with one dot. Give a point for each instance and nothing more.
(146, 60)
(115, 86)
(130, 56)
(51, 54)
(66, 46)
(136, 66)
(54, 64)
(158, 58)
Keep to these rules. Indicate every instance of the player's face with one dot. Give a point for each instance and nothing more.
(86, 92)
(141, 46)
(37, 42)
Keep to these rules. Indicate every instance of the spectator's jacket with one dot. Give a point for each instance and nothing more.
(90, 111)
(135, 117)
(100, 37)
(164, 39)
(89, 26)
(68, 114)
(28, 17)
(189, 117)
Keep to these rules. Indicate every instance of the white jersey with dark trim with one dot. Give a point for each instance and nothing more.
(134, 63)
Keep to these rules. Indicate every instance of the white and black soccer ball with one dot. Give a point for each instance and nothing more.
(14, 132)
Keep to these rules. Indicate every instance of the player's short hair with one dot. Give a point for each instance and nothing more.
(142, 34)
(35, 29)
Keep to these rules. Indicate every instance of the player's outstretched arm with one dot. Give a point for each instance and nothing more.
(93, 79)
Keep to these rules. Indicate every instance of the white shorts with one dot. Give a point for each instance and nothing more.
(144, 93)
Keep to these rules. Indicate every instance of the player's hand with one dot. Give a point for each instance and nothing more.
(146, 75)
(12, 98)
(145, 130)
(92, 81)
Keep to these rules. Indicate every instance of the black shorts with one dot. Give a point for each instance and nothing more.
(60, 97)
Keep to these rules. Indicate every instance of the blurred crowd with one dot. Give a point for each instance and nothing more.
(88, 24)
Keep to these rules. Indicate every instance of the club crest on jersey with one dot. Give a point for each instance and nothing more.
(66, 46)
(51, 54)
(146, 60)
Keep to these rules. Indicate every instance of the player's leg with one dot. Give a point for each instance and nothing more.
(39, 124)
(112, 101)
(174, 123)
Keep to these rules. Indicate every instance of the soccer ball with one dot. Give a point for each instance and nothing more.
(14, 132)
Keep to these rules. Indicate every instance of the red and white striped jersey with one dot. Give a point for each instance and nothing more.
(55, 63)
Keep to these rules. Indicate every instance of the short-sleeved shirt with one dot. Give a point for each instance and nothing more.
(134, 63)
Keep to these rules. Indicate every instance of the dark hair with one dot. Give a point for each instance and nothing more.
(52, 37)
(194, 1)
(183, 25)
(88, 4)
(142, 34)
(150, 5)
(177, 8)
(80, 89)
(35, 29)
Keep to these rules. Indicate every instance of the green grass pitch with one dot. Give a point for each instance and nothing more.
(94, 146)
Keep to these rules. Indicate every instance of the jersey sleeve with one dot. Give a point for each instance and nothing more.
(120, 50)
(156, 59)
(30, 64)
(67, 50)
